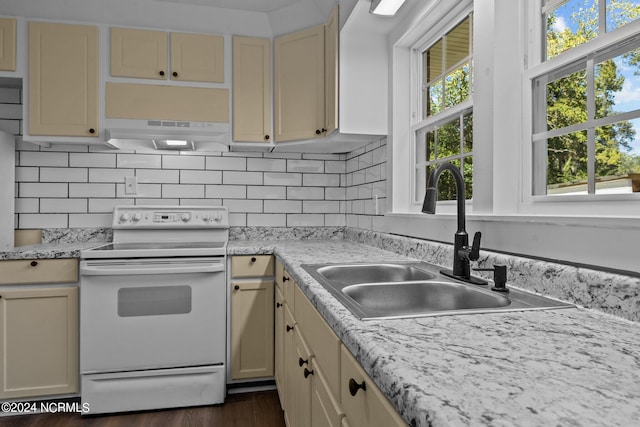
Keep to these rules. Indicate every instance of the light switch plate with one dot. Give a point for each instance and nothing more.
(130, 185)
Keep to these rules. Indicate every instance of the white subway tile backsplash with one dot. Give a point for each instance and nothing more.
(39, 189)
(10, 95)
(380, 188)
(237, 219)
(282, 178)
(365, 160)
(60, 205)
(27, 205)
(64, 174)
(139, 161)
(307, 166)
(226, 163)
(283, 206)
(226, 192)
(27, 174)
(351, 165)
(92, 160)
(334, 220)
(335, 193)
(107, 205)
(335, 166)
(305, 220)
(109, 175)
(66, 148)
(320, 156)
(200, 177)
(158, 176)
(191, 191)
(200, 202)
(43, 221)
(374, 173)
(305, 193)
(266, 220)
(365, 191)
(320, 206)
(267, 165)
(92, 190)
(90, 220)
(11, 111)
(242, 178)
(10, 126)
(266, 192)
(243, 206)
(182, 162)
(156, 202)
(39, 158)
(321, 180)
(145, 191)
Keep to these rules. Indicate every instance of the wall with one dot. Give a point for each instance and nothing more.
(69, 186)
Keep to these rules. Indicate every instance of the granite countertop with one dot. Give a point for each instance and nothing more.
(49, 250)
(564, 367)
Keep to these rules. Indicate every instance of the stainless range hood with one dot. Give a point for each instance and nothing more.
(156, 135)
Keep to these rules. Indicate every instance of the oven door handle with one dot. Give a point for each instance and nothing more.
(174, 269)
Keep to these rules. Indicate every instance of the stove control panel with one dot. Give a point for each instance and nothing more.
(140, 217)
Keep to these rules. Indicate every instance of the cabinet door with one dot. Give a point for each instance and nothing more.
(279, 345)
(304, 372)
(197, 57)
(8, 44)
(331, 37)
(251, 89)
(290, 367)
(325, 410)
(63, 79)
(139, 53)
(299, 85)
(38, 342)
(252, 329)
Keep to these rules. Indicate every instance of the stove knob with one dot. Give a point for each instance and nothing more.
(185, 217)
(136, 217)
(206, 217)
(217, 217)
(125, 217)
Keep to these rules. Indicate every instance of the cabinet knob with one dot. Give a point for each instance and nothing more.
(236, 287)
(289, 328)
(266, 137)
(278, 305)
(34, 263)
(92, 130)
(354, 386)
(161, 73)
(285, 278)
(174, 74)
(307, 373)
(253, 259)
(318, 131)
(323, 130)
(302, 361)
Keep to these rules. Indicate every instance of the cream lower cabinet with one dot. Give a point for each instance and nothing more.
(314, 367)
(8, 44)
(63, 80)
(38, 341)
(252, 317)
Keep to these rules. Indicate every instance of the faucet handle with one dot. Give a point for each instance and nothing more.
(475, 247)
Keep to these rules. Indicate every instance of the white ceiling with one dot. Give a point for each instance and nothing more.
(249, 5)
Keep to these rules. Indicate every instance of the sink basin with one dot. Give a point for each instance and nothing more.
(416, 297)
(349, 274)
(390, 290)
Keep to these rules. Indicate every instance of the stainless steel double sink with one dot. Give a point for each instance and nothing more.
(391, 290)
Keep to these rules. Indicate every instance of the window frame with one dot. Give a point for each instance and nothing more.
(422, 123)
(537, 68)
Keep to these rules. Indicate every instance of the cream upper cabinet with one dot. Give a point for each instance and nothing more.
(331, 45)
(38, 342)
(251, 89)
(139, 53)
(63, 79)
(197, 57)
(299, 80)
(7, 44)
(145, 54)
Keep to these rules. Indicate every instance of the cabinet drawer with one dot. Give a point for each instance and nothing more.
(24, 271)
(324, 343)
(252, 266)
(368, 406)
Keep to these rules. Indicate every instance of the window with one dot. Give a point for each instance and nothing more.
(444, 131)
(586, 99)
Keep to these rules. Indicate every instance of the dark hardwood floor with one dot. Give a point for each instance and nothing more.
(259, 409)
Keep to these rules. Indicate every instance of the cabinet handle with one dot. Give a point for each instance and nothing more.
(174, 74)
(301, 361)
(354, 386)
(323, 130)
(34, 263)
(307, 373)
(318, 131)
(236, 287)
(289, 328)
(92, 130)
(278, 305)
(266, 137)
(285, 278)
(161, 73)
(253, 259)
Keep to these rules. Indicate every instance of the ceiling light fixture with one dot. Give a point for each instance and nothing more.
(385, 7)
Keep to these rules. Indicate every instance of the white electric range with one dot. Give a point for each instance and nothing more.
(153, 310)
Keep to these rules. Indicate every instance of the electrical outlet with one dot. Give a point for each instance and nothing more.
(130, 185)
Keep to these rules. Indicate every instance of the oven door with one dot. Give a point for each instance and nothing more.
(152, 313)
